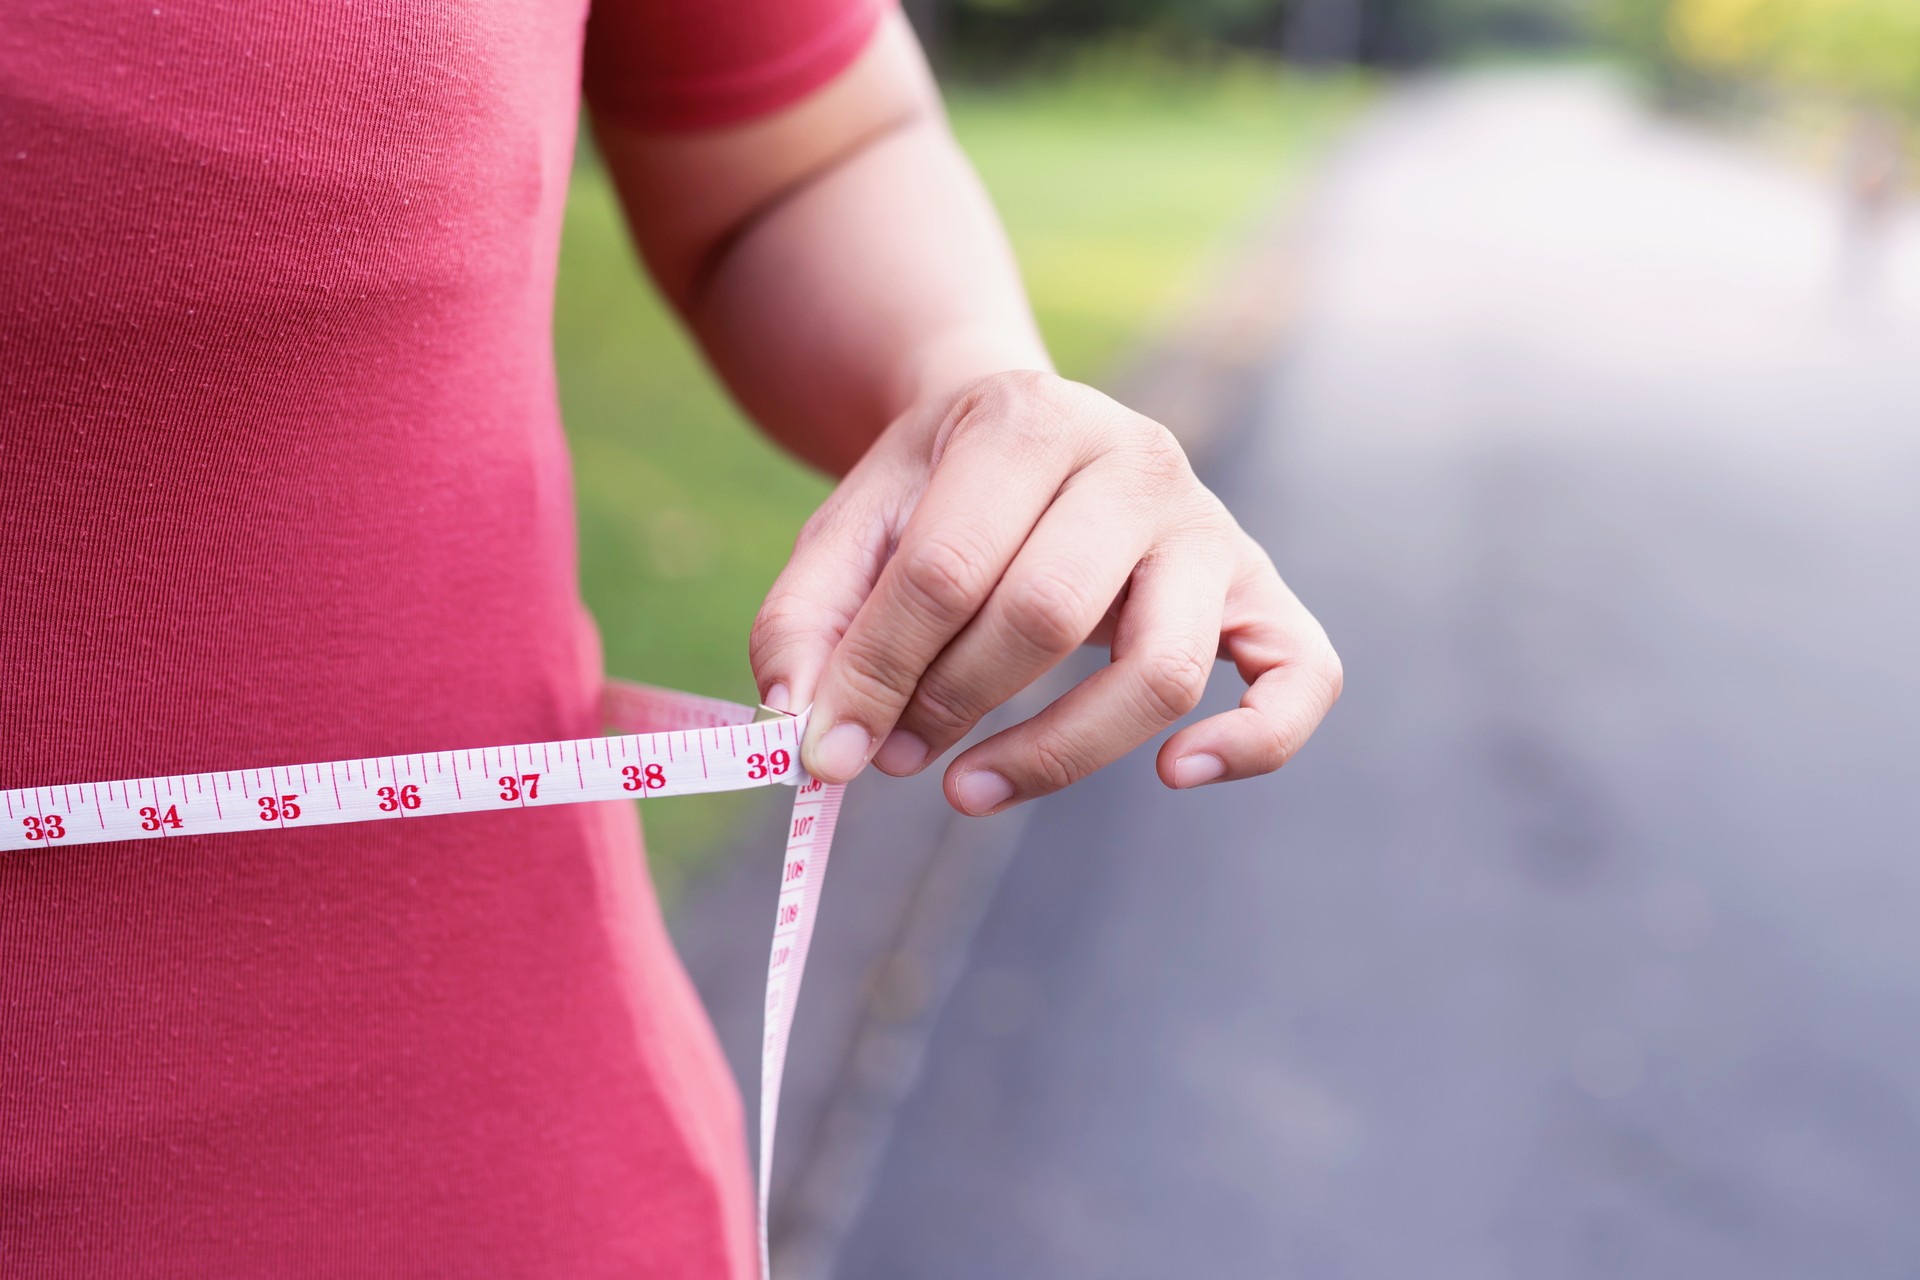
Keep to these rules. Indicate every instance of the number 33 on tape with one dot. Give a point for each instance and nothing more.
(669, 744)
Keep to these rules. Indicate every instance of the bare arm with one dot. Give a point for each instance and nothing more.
(836, 260)
(849, 279)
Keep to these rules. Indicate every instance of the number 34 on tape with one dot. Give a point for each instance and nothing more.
(668, 744)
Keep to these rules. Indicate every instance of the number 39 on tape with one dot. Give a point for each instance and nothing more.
(669, 744)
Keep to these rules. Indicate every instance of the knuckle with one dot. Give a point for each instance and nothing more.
(1025, 410)
(1318, 665)
(1024, 389)
(832, 521)
(1214, 522)
(814, 528)
(1050, 611)
(871, 678)
(1334, 673)
(1051, 396)
(946, 575)
(1173, 681)
(1055, 764)
(1159, 463)
(942, 709)
(1273, 746)
(779, 619)
(1255, 565)
(1283, 733)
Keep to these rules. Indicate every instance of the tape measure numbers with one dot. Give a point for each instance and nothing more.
(668, 744)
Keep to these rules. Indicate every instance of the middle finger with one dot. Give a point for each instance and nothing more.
(1060, 586)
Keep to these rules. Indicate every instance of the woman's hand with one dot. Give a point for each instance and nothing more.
(839, 260)
(982, 539)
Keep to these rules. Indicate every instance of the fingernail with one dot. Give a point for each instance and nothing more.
(982, 791)
(777, 697)
(1198, 770)
(901, 753)
(841, 752)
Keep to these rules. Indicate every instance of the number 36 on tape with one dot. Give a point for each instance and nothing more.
(669, 744)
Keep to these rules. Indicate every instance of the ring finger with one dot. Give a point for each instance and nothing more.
(1163, 650)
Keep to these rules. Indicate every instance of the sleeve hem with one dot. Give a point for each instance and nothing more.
(711, 101)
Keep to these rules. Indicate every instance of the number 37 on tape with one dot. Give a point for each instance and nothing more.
(699, 745)
(635, 766)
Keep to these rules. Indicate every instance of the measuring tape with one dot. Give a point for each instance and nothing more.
(669, 744)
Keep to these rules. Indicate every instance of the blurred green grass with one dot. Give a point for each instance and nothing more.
(1119, 181)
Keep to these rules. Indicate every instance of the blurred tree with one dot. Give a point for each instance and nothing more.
(983, 35)
(1466, 26)
(1867, 50)
(1639, 28)
(995, 29)
(929, 23)
(1325, 32)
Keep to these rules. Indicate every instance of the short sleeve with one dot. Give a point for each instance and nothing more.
(691, 64)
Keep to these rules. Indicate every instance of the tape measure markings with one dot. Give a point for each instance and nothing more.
(526, 775)
(733, 765)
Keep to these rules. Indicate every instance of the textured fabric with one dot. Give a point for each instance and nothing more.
(283, 480)
(694, 63)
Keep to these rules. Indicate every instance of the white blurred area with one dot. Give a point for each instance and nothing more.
(1580, 942)
(1560, 199)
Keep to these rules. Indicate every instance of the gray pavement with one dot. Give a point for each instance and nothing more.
(1585, 940)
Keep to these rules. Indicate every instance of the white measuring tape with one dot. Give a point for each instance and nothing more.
(670, 744)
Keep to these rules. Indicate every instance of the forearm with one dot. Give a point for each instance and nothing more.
(882, 283)
(839, 261)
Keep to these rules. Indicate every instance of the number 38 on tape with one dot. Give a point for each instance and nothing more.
(670, 744)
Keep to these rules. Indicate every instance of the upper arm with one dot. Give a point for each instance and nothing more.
(711, 115)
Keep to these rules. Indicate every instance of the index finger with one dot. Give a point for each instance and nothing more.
(991, 487)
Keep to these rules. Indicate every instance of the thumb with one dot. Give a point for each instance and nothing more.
(836, 560)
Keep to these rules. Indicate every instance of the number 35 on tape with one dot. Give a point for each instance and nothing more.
(668, 744)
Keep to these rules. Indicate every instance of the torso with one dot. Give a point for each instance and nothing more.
(284, 481)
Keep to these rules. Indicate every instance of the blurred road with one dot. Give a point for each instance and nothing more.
(1585, 940)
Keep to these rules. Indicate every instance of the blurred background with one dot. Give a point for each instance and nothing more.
(1566, 356)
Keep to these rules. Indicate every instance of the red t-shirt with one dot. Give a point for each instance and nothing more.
(283, 479)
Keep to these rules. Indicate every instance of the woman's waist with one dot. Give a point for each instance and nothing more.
(107, 687)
